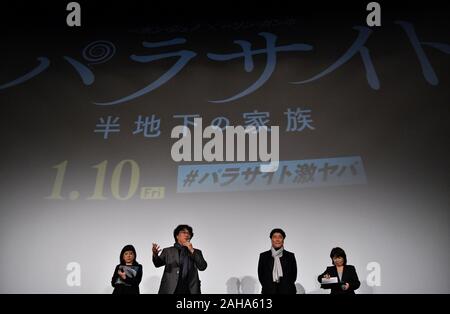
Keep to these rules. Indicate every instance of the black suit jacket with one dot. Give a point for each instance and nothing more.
(170, 258)
(265, 270)
(131, 285)
(349, 276)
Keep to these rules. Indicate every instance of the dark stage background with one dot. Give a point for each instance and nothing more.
(364, 125)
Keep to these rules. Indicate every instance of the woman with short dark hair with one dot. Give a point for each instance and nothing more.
(345, 277)
(128, 274)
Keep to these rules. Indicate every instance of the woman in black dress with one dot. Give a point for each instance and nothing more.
(128, 274)
(347, 278)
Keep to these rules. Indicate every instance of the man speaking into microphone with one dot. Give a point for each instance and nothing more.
(182, 262)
